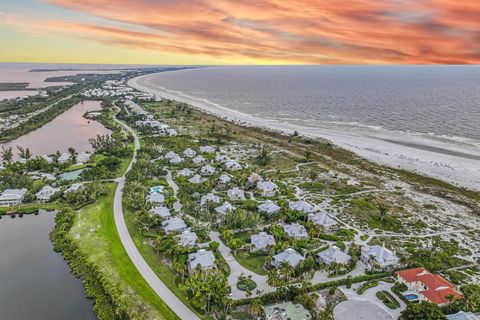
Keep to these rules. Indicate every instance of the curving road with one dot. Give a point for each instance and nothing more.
(157, 285)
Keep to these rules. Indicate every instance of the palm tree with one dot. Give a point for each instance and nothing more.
(263, 158)
(273, 279)
(7, 154)
(255, 308)
(73, 154)
(286, 270)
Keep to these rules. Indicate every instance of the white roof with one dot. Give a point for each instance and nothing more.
(333, 255)
(224, 178)
(198, 159)
(262, 240)
(196, 179)
(236, 194)
(185, 172)
(382, 255)
(48, 158)
(173, 224)
(171, 155)
(295, 230)
(83, 157)
(225, 207)
(300, 205)
(64, 157)
(266, 186)
(206, 259)
(13, 194)
(207, 169)
(269, 207)
(46, 192)
(161, 211)
(209, 197)
(176, 160)
(189, 153)
(290, 256)
(207, 149)
(73, 187)
(233, 165)
(187, 238)
(322, 219)
(155, 198)
(221, 158)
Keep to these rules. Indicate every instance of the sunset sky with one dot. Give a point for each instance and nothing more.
(241, 31)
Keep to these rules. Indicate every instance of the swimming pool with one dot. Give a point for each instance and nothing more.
(411, 297)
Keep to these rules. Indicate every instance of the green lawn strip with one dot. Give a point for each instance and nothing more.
(252, 262)
(388, 299)
(164, 273)
(96, 234)
(28, 208)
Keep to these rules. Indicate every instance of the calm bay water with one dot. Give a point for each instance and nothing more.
(35, 281)
(70, 129)
(438, 100)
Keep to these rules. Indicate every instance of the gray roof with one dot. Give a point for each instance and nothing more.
(289, 255)
(173, 224)
(300, 205)
(169, 155)
(187, 238)
(268, 187)
(462, 315)
(155, 198)
(269, 207)
(207, 169)
(225, 207)
(189, 152)
(207, 149)
(46, 193)
(382, 255)
(13, 194)
(224, 178)
(233, 164)
(262, 240)
(161, 211)
(333, 254)
(322, 219)
(295, 230)
(198, 159)
(209, 197)
(206, 259)
(73, 187)
(196, 179)
(236, 194)
(254, 178)
(286, 311)
(185, 172)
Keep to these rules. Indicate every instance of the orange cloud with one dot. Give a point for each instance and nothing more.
(288, 31)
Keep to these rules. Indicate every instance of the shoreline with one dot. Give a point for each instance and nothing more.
(458, 165)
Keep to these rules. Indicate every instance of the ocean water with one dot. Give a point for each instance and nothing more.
(441, 101)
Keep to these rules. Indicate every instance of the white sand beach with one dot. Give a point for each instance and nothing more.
(457, 163)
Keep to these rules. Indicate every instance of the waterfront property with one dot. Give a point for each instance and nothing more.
(46, 193)
(286, 311)
(12, 197)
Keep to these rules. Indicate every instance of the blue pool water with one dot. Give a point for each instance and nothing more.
(411, 297)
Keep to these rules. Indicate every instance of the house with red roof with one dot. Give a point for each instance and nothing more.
(428, 286)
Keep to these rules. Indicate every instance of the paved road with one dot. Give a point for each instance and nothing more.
(157, 285)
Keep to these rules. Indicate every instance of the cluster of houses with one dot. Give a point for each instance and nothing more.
(116, 88)
(14, 197)
(148, 121)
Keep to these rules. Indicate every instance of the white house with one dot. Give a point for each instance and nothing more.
(207, 149)
(64, 157)
(187, 238)
(379, 256)
(300, 205)
(225, 208)
(155, 198)
(46, 193)
(322, 219)
(83, 157)
(209, 198)
(262, 241)
(295, 230)
(333, 255)
(196, 179)
(221, 158)
(171, 155)
(236, 194)
(268, 188)
(174, 224)
(161, 211)
(73, 187)
(204, 259)
(189, 153)
(176, 160)
(185, 172)
(224, 178)
(198, 160)
(47, 158)
(289, 256)
(12, 197)
(207, 170)
(232, 165)
(269, 207)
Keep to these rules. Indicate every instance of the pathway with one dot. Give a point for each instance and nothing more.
(236, 269)
(155, 283)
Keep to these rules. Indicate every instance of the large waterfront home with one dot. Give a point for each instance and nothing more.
(12, 197)
(46, 193)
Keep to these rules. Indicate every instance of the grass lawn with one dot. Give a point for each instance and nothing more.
(251, 261)
(29, 208)
(161, 270)
(95, 232)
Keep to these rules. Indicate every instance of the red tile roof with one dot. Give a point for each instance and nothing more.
(440, 296)
(434, 281)
(410, 275)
